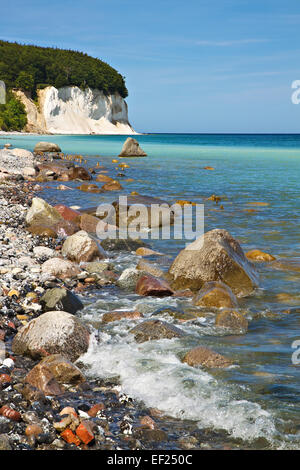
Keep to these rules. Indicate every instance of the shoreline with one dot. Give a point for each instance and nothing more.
(23, 284)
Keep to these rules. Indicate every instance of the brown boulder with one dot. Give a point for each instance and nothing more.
(155, 329)
(216, 256)
(89, 188)
(201, 356)
(215, 294)
(131, 148)
(150, 285)
(67, 213)
(104, 178)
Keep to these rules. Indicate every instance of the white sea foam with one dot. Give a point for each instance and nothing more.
(152, 372)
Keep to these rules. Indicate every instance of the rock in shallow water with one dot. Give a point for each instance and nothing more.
(233, 320)
(131, 148)
(52, 333)
(151, 286)
(216, 256)
(201, 356)
(215, 294)
(81, 247)
(155, 329)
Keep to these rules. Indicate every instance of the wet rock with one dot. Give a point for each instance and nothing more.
(216, 256)
(46, 147)
(79, 173)
(257, 255)
(52, 333)
(233, 320)
(119, 244)
(42, 378)
(201, 356)
(96, 409)
(147, 422)
(89, 223)
(60, 298)
(41, 213)
(104, 178)
(151, 435)
(144, 211)
(112, 186)
(175, 313)
(117, 316)
(89, 188)
(143, 251)
(150, 268)
(215, 294)
(155, 329)
(150, 285)
(10, 413)
(63, 370)
(131, 148)
(60, 268)
(81, 247)
(129, 278)
(85, 431)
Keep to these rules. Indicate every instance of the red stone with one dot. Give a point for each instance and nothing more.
(10, 413)
(70, 437)
(4, 378)
(94, 410)
(150, 285)
(66, 212)
(84, 432)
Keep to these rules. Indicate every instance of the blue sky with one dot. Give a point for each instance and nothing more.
(193, 66)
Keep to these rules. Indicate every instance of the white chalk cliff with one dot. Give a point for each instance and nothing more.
(70, 110)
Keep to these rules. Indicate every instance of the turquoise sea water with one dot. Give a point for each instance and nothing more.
(258, 400)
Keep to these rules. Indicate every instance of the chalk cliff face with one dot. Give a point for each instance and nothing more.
(70, 110)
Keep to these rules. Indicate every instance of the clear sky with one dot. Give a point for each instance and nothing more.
(190, 66)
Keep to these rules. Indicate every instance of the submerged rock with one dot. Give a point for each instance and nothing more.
(257, 255)
(201, 356)
(215, 294)
(233, 320)
(131, 148)
(216, 256)
(81, 247)
(117, 316)
(120, 244)
(60, 298)
(79, 173)
(155, 329)
(46, 147)
(52, 333)
(112, 186)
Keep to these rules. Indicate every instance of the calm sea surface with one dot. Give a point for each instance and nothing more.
(258, 400)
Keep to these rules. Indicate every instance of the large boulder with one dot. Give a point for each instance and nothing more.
(129, 278)
(41, 213)
(64, 371)
(52, 333)
(215, 294)
(201, 356)
(81, 247)
(155, 329)
(60, 298)
(22, 153)
(146, 211)
(216, 256)
(60, 268)
(131, 148)
(46, 147)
